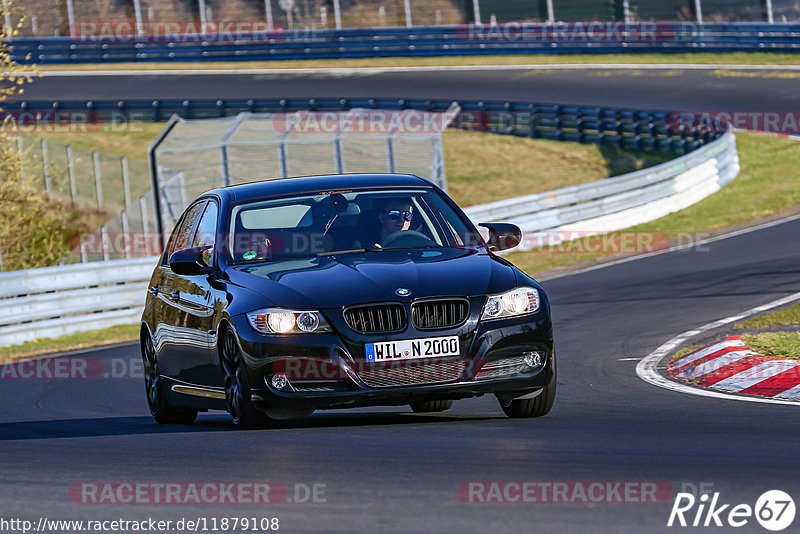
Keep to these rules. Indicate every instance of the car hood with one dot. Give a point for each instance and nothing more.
(336, 281)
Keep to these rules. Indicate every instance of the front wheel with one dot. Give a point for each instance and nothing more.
(538, 406)
(161, 410)
(238, 388)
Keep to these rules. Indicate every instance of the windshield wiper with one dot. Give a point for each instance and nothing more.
(349, 251)
(269, 260)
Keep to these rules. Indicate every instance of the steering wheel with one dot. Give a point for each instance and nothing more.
(395, 236)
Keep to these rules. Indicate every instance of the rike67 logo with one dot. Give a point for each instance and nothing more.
(774, 510)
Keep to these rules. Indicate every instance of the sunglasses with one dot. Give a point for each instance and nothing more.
(395, 215)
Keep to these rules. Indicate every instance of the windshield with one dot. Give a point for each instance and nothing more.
(345, 222)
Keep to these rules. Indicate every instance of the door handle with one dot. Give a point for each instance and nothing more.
(175, 296)
(153, 290)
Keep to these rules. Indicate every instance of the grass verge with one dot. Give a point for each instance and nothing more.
(782, 317)
(731, 58)
(486, 167)
(774, 344)
(81, 340)
(760, 191)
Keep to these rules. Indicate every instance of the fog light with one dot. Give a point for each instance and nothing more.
(279, 381)
(532, 359)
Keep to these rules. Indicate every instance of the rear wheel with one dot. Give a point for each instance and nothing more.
(238, 387)
(160, 409)
(431, 406)
(538, 406)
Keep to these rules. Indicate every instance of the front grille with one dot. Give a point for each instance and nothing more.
(376, 318)
(442, 313)
(503, 367)
(399, 374)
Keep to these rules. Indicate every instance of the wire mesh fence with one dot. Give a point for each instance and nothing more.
(198, 155)
(43, 18)
(82, 177)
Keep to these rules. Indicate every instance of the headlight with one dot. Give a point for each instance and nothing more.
(518, 301)
(278, 321)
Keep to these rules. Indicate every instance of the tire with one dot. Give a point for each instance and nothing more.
(163, 412)
(431, 406)
(244, 413)
(538, 406)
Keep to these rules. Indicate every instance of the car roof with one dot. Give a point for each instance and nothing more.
(310, 184)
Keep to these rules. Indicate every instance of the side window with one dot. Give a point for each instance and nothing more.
(183, 238)
(206, 233)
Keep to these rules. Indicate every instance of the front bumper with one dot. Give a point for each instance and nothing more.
(328, 371)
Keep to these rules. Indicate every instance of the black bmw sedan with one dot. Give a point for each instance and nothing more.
(274, 299)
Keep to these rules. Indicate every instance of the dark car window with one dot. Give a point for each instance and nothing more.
(182, 238)
(206, 233)
(308, 224)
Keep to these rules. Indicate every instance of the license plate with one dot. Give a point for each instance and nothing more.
(407, 349)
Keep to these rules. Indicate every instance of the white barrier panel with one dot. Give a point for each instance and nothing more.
(621, 201)
(56, 301)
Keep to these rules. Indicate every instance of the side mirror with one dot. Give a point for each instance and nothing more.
(189, 261)
(503, 236)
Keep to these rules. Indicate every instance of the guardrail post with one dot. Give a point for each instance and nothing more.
(626, 10)
(203, 15)
(105, 242)
(143, 209)
(71, 18)
(698, 10)
(390, 153)
(98, 183)
(283, 157)
(126, 184)
(268, 14)
(226, 169)
(550, 15)
(407, 6)
(45, 168)
(137, 11)
(73, 187)
(337, 14)
(337, 149)
(7, 13)
(770, 16)
(125, 233)
(476, 8)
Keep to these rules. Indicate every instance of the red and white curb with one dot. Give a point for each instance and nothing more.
(729, 366)
(650, 367)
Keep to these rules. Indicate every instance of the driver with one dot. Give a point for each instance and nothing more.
(396, 216)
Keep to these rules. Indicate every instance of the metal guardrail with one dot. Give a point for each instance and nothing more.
(54, 301)
(621, 201)
(511, 38)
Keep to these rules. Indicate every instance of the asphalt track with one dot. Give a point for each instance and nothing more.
(676, 89)
(388, 470)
